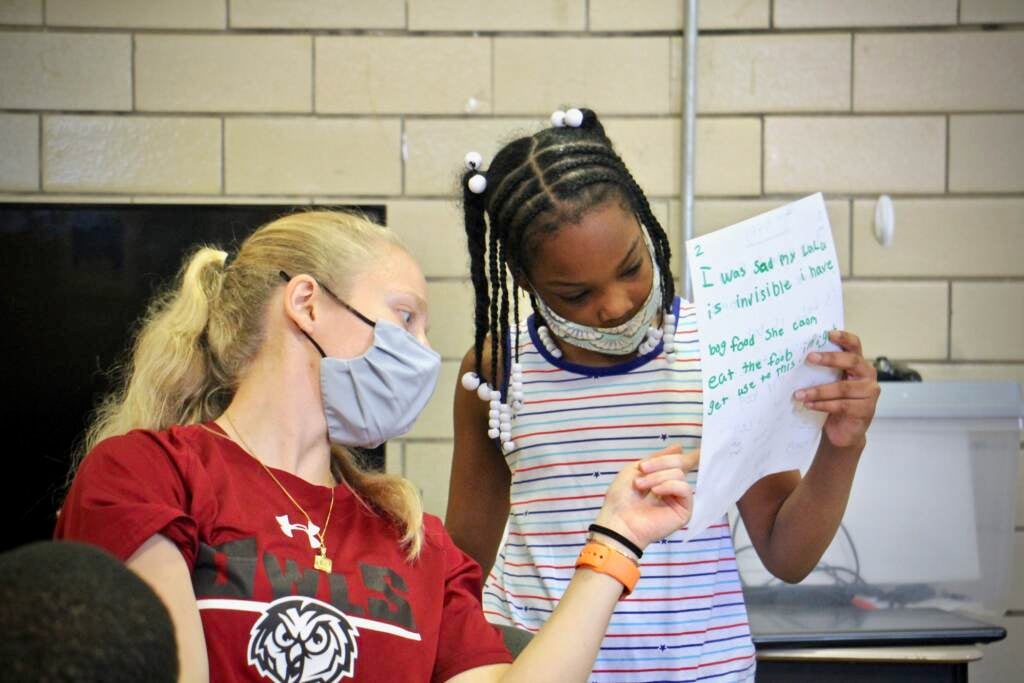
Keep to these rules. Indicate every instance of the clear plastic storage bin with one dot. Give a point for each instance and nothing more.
(930, 521)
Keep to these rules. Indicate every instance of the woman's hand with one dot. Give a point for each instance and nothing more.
(649, 499)
(850, 402)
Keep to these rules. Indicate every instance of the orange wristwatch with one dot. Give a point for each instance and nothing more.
(606, 560)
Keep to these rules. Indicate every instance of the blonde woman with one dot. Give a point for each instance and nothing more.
(220, 473)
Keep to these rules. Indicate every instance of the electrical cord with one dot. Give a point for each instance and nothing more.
(847, 583)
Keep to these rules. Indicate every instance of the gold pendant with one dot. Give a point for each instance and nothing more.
(322, 563)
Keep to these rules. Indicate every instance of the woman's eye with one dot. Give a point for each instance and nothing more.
(406, 316)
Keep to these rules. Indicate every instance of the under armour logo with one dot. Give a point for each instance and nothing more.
(311, 530)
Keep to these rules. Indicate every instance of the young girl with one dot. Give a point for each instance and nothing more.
(220, 473)
(606, 368)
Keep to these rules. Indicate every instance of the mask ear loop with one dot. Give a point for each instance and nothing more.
(288, 278)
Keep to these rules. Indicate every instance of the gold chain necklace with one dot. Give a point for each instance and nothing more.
(320, 562)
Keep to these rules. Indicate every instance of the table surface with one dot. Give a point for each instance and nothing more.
(936, 654)
(828, 627)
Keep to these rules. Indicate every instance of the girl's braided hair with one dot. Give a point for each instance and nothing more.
(533, 186)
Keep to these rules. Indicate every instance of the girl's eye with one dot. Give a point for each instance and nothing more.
(631, 271)
(576, 298)
(406, 316)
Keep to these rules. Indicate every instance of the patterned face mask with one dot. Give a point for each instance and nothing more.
(621, 339)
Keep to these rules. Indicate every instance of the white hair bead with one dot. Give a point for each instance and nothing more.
(471, 381)
(477, 184)
(558, 119)
(574, 118)
(492, 423)
(474, 161)
(509, 446)
(492, 433)
(483, 391)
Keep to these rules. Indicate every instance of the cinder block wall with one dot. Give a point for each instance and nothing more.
(331, 101)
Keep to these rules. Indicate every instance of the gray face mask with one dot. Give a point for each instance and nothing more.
(376, 396)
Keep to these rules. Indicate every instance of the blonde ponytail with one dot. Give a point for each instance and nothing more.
(196, 341)
(168, 379)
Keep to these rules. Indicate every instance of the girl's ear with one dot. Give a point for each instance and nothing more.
(300, 303)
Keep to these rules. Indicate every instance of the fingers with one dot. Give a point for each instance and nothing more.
(675, 488)
(847, 341)
(669, 458)
(855, 389)
(677, 495)
(649, 481)
(844, 360)
(843, 406)
(854, 366)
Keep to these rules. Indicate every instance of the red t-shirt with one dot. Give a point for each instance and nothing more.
(266, 612)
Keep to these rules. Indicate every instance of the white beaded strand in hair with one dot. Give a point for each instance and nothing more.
(515, 388)
(494, 418)
(549, 343)
(505, 421)
(650, 342)
(471, 381)
(477, 183)
(558, 119)
(669, 333)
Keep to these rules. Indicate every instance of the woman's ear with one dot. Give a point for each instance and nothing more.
(300, 303)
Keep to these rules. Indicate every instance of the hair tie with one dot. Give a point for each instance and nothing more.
(477, 182)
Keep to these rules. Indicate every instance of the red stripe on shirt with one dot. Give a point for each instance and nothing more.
(677, 633)
(575, 462)
(606, 427)
(702, 665)
(549, 500)
(624, 393)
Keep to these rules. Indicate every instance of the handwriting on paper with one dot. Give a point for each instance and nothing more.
(767, 292)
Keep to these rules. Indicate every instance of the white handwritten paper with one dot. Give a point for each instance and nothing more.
(767, 292)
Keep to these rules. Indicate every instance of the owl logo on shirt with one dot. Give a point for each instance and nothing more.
(303, 640)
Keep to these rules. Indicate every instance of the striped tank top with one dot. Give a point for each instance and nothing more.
(686, 620)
